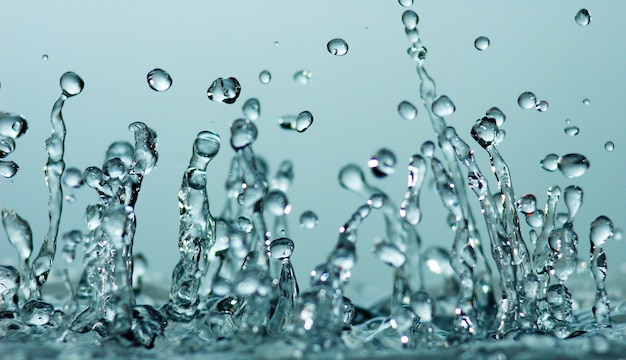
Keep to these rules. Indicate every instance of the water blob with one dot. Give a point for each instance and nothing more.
(586, 101)
(281, 248)
(337, 47)
(304, 120)
(44, 57)
(609, 146)
(428, 149)
(73, 178)
(7, 146)
(583, 17)
(276, 43)
(443, 106)
(571, 130)
(527, 204)
(224, 90)
(407, 110)
(405, 3)
(251, 108)
(243, 132)
(159, 79)
(303, 77)
(410, 19)
(382, 162)
(496, 114)
(71, 84)
(550, 162)
(388, 253)
(482, 43)
(265, 77)
(542, 106)
(12, 125)
(276, 203)
(527, 100)
(573, 165)
(8, 169)
(308, 220)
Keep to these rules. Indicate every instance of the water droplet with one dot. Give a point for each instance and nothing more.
(243, 132)
(527, 100)
(407, 110)
(276, 203)
(536, 219)
(527, 204)
(410, 19)
(304, 121)
(389, 254)
(308, 220)
(573, 197)
(496, 114)
(583, 17)
(36, 312)
(542, 106)
(586, 101)
(71, 84)
(601, 230)
(550, 162)
(423, 305)
(405, 3)
(609, 146)
(573, 165)
(382, 163)
(73, 177)
(224, 90)
(8, 169)
(265, 77)
(437, 260)
(337, 47)
(485, 131)
(618, 234)
(482, 43)
(159, 80)
(44, 57)
(276, 43)
(281, 248)
(571, 130)
(7, 146)
(428, 149)
(303, 76)
(252, 108)
(443, 106)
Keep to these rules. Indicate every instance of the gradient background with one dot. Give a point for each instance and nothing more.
(535, 46)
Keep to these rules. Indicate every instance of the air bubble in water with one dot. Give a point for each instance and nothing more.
(304, 121)
(443, 106)
(583, 17)
(73, 177)
(405, 3)
(265, 77)
(44, 57)
(527, 100)
(550, 162)
(482, 43)
(407, 110)
(382, 162)
(571, 130)
(542, 106)
(71, 84)
(308, 220)
(609, 146)
(303, 76)
(337, 47)
(573, 165)
(224, 90)
(252, 108)
(586, 101)
(410, 19)
(159, 80)
(8, 169)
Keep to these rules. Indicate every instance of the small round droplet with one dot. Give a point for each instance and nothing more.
(337, 47)
(405, 3)
(8, 169)
(265, 77)
(542, 106)
(496, 114)
(276, 43)
(382, 163)
(609, 146)
(573, 165)
(428, 149)
(159, 80)
(583, 17)
(71, 84)
(7, 146)
(224, 90)
(550, 162)
(571, 130)
(281, 248)
(44, 57)
(536, 218)
(252, 108)
(407, 110)
(304, 121)
(527, 100)
(389, 254)
(586, 101)
(443, 106)
(527, 204)
(308, 220)
(482, 43)
(303, 77)
(410, 19)
(276, 203)
(73, 177)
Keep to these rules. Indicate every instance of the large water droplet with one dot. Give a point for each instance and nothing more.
(482, 43)
(382, 163)
(573, 165)
(601, 230)
(12, 125)
(527, 100)
(44, 57)
(337, 47)
(207, 144)
(527, 204)
(8, 169)
(389, 254)
(73, 177)
(571, 130)
(71, 84)
(303, 76)
(252, 108)
(583, 17)
(443, 106)
(609, 146)
(224, 90)
(308, 220)
(159, 80)
(281, 248)
(407, 110)
(550, 162)
(405, 3)
(410, 19)
(276, 203)
(7, 146)
(304, 121)
(265, 77)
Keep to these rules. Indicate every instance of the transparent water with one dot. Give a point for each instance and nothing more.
(508, 281)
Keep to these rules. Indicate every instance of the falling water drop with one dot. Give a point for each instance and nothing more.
(609, 146)
(482, 43)
(550, 162)
(337, 47)
(410, 19)
(281, 248)
(224, 90)
(586, 101)
(7, 146)
(583, 17)
(159, 79)
(304, 121)
(382, 162)
(308, 220)
(252, 108)
(303, 77)
(73, 177)
(407, 110)
(276, 203)
(265, 77)
(542, 106)
(443, 106)
(405, 3)
(573, 165)
(71, 84)
(601, 230)
(571, 130)
(527, 100)
(8, 169)
(44, 57)
(389, 253)
(428, 149)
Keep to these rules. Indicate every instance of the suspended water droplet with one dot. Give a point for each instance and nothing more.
(308, 220)
(573, 197)
(7, 146)
(337, 47)
(405, 3)
(407, 110)
(71, 84)
(159, 79)
(389, 254)
(417, 52)
(609, 146)
(527, 204)
(482, 43)
(44, 57)
(428, 149)
(276, 203)
(527, 100)
(265, 77)
(303, 76)
(304, 121)
(485, 131)
(536, 219)
(224, 90)
(573, 165)
(542, 106)
(496, 114)
(586, 101)
(36, 312)
(281, 248)
(8, 169)
(243, 132)
(252, 109)
(12, 125)
(410, 19)
(276, 43)
(601, 230)
(550, 162)
(583, 17)
(571, 130)
(443, 106)
(73, 177)
(618, 234)
(382, 162)
(423, 305)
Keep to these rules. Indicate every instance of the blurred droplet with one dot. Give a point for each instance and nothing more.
(44, 57)
(586, 102)
(159, 80)
(382, 162)
(583, 17)
(251, 108)
(407, 110)
(571, 130)
(308, 220)
(527, 100)
(73, 177)
(303, 77)
(609, 146)
(482, 43)
(337, 47)
(443, 106)
(265, 77)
